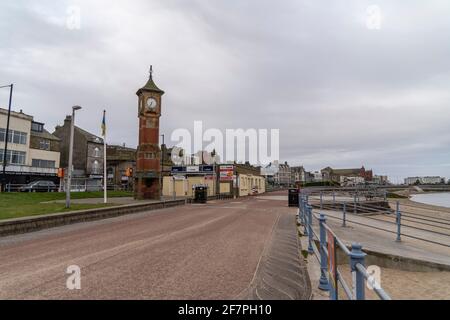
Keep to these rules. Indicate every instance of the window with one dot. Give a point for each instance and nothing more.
(97, 153)
(95, 167)
(14, 136)
(44, 144)
(38, 163)
(149, 155)
(13, 157)
(37, 127)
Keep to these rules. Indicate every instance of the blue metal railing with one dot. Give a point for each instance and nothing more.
(330, 275)
(399, 221)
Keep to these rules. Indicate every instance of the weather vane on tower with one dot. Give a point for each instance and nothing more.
(151, 71)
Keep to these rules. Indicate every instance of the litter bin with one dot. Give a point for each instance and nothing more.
(293, 197)
(200, 194)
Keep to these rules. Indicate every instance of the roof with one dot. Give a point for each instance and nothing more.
(17, 114)
(45, 135)
(89, 136)
(120, 153)
(150, 86)
(345, 172)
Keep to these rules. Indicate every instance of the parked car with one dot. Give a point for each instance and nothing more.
(40, 186)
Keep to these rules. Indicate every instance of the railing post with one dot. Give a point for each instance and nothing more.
(310, 230)
(399, 222)
(321, 200)
(305, 218)
(334, 198)
(354, 203)
(357, 256)
(344, 214)
(323, 282)
(385, 195)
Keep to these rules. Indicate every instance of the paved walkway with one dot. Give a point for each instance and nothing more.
(381, 241)
(212, 251)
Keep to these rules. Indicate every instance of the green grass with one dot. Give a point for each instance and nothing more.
(15, 205)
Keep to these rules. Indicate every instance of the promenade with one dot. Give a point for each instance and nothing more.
(220, 250)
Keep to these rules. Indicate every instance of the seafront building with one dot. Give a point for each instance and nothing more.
(33, 153)
(357, 175)
(424, 180)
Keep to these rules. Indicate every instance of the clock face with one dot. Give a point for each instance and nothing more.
(151, 104)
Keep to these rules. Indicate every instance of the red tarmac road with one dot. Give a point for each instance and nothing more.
(191, 252)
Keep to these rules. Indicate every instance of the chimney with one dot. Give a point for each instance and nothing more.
(68, 120)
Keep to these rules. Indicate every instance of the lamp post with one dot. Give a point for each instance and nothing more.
(69, 169)
(6, 136)
(162, 169)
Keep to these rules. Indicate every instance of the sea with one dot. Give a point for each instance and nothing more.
(437, 199)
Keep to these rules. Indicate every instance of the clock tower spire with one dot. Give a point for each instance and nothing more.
(148, 164)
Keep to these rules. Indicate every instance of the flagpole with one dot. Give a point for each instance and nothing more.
(105, 178)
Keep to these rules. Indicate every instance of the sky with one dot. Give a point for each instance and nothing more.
(347, 83)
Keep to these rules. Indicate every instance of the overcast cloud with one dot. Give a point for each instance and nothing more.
(341, 94)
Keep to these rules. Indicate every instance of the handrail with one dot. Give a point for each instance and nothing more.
(399, 217)
(356, 256)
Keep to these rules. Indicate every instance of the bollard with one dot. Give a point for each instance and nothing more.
(334, 199)
(354, 204)
(310, 231)
(321, 200)
(344, 214)
(323, 282)
(385, 195)
(357, 256)
(399, 222)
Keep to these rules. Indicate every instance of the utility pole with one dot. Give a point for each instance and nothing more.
(3, 187)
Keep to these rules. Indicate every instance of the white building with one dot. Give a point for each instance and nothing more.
(33, 153)
(317, 176)
(424, 180)
(351, 181)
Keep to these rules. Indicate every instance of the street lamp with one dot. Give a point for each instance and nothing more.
(69, 169)
(6, 135)
(161, 169)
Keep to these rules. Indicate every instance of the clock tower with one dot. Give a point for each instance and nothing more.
(148, 157)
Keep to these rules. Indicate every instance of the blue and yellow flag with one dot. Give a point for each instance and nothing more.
(104, 123)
